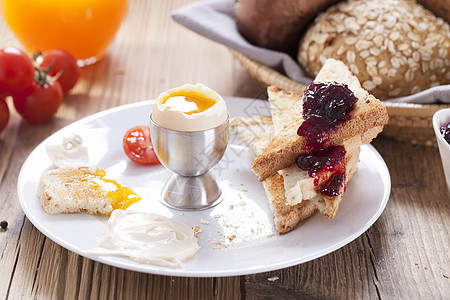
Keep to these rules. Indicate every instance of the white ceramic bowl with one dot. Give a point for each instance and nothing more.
(442, 118)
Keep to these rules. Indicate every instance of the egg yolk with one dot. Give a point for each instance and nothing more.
(188, 102)
(121, 196)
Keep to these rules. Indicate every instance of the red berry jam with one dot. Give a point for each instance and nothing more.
(326, 159)
(333, 186)
(325, 106)
(445, 131)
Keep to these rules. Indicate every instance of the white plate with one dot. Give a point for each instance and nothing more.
(239, 238)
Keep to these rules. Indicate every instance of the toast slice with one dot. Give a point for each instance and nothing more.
(298, 184)
(75, 190)
(293, 194)
(256, 132)
(369, 114)
(285, 107)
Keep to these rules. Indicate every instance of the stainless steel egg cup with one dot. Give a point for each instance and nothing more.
(190, 155)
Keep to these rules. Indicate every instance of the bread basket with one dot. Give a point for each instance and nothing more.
(407, 122)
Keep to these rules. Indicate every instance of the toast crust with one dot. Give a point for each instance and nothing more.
(285, 217)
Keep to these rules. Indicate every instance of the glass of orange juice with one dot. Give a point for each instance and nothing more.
(85, 28)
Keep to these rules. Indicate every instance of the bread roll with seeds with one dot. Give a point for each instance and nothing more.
(394, 49)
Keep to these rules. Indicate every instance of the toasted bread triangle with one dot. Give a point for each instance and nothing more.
(369, 117)
(298, 185)
(286, 146)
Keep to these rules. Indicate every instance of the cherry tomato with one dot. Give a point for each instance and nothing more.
(64, 62)
(16, 71)
(40, 102)
(138, 146)
(4, 114)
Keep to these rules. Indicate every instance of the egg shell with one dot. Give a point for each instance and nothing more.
(180, 121)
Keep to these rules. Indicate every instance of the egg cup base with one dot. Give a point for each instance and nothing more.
(191, 193)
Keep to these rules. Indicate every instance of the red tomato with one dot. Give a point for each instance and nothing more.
(65, 63)
(138, 146)
(4, 114)
(16, 71)
(40, 102)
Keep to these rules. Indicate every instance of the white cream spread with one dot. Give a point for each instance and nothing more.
(298, 185)
(70, 153)
(147, 238)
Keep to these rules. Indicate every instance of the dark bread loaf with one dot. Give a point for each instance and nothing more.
(277, 24)
(440, 8)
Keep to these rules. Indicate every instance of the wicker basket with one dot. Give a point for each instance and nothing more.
(407, 122)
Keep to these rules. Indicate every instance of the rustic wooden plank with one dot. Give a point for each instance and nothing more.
(344, 274)
(84, 267)
(413, 240)
(229, 288)
(8, 211)
(19, 242)
(404, 255)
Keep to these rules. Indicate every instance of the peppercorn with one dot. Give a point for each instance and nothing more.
(4, 224)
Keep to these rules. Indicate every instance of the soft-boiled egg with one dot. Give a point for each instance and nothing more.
(189, 108)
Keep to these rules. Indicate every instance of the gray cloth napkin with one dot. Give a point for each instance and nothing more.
(214, 19)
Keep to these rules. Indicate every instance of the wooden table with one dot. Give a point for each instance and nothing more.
(404, 255)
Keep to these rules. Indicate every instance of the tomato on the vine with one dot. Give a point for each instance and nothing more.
(16, 71)
(40, 102)
(138, 145)
(4, 114)
(63, 63)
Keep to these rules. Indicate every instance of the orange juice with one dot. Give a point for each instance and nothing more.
(83, 27)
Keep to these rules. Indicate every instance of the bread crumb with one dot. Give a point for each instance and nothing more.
(446, 276)
(232, 237)
(204, 222)
(220, 245)
(231, 206)
(182, 213)
(197, 230)
(274, 278)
